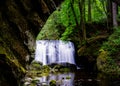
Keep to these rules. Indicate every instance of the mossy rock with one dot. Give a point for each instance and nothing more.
(52, 83)
(65, 69)
(35, 65)
(68, 77)
(45, 69)
(106, 64)
(101, 60)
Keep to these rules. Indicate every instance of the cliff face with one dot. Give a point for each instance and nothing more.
(20, 22)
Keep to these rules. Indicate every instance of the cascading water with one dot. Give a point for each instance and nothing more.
(54, 51)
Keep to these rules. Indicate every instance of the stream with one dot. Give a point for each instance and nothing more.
(58, 52)
(78, 78)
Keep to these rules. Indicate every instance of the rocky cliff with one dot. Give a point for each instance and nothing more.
(20, 22)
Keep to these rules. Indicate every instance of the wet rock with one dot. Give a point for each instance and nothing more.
(27, 83)
(21, 20)
(52, 83)
(90, 80)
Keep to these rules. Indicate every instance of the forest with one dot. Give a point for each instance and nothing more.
(91, 25)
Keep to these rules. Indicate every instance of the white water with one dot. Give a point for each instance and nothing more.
(54, 51)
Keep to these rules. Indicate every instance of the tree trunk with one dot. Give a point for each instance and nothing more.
(114, 14)
(109, 15)
(89, 11)
(82, 18)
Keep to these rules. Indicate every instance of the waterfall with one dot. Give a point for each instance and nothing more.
(54, 51)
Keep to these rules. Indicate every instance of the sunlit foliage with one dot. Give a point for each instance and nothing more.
(67, 17)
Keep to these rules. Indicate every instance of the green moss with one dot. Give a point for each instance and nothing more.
(38, 70)
(68, 77)
(34, 81)
(35, 65)
(2, 51)
(45, 69)
(16, 64)
(107, 65)
(52, 83)
(65, 69)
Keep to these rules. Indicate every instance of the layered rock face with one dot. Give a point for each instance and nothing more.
(20, 22)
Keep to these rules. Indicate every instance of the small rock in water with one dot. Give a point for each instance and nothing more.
(44, 84)
(39, 84)
(89, 80)
(98, 80)
(28, 79)
(81, 80)
(27, 83)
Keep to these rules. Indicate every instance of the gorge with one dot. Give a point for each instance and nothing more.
(22, 20)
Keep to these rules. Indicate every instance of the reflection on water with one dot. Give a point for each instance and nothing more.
(80, 78)
(65, 79)
(77, 78)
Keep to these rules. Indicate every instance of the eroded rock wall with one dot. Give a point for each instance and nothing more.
(20, 22)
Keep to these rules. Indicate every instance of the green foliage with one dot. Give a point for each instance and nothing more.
(66, 13)
(67, 19)
(112, 46)
(63, 17)
(66, 34)
(62, 23)
(50, 30)
(99, 10)
(109, 54)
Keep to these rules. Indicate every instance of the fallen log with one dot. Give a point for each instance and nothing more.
(83, 48)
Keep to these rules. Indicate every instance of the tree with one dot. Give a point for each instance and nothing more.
(114, 14)
(82, 18)
(109, 14)
(89, 11)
